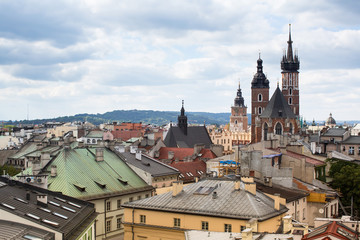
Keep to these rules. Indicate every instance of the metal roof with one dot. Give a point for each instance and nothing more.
(277, 107)
(62, 213)
(16, 230)
(150, 165)
(228, 202)
(352, 140)
(334, 132)
(195, 134)
(80, 175)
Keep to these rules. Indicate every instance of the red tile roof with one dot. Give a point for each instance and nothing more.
(332, 230)
(190, 170)
(182, 153)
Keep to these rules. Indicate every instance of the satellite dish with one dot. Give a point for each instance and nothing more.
(321, 210)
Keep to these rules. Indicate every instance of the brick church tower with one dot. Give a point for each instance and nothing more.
(238, 118)
(259, 100)
(290, 77)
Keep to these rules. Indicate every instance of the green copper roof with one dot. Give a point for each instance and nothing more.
(95, 134)
(26, 149)
(79, 175)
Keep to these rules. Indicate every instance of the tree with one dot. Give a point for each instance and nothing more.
(346, 178)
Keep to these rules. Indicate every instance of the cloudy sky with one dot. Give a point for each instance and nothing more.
(60, 58)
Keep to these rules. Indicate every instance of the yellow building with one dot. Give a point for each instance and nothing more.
(208, 205)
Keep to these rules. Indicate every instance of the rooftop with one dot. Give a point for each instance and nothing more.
(150, 165)
(59, 212)
(230, 203)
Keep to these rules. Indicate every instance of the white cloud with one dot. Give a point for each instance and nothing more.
(71, 57)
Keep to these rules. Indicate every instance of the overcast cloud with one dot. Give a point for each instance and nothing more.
(60, 58)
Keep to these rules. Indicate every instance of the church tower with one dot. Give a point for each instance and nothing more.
(238, 118)
(259, 100)
(182, 120)
(290, 65)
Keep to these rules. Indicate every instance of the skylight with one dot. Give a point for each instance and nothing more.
(69, 209)
(204, 190)
(32, 216)
(60, 199)
(31, 237)
(50, 222)
(45, 210)
(60, 215)
(54, 203)
(21, 200)
(74, 204)
(8, 206)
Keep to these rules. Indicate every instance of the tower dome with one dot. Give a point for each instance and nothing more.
(330, 121)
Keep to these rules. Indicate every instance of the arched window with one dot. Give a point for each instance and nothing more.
(260, 97)
(93, 141)
(291, 128)
(290, 79)
(290, 101)
(266, 129)
(235, 122)
(260, 110)
(278, 129)
(290, 91)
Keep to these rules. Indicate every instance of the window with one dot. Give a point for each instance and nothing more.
(204, 225)
(118, 223)
(142, 219)
(227, 228)
(291, 128)
(108, 225)
(290, 91)
(260, 110)
(290, 101)
(260, 97)
(119, 203)
(278, 129)
(93, 141)
(351, 150)
(108, 206)
(359, 151)
(242, 228)
(304, 214)
(266, 129)
(146, 195)
(139, 197)
(176, 222)
(131, 199)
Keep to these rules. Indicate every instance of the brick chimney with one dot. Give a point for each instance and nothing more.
(99, 157)
(177, 187)
(53, 171)
(247, 234)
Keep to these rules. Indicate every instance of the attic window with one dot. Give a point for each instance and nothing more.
(123, 181)
(100, 184)
(280, 113)
(204, 190)
(80, 187)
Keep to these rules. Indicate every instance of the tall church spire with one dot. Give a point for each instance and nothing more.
(290, 57)
(182, 119)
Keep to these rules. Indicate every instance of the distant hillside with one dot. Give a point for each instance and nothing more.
(144, 116)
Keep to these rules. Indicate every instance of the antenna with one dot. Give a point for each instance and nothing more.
(27, 116)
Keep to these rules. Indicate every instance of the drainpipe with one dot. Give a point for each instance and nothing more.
(132, 225)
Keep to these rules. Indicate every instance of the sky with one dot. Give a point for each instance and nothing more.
(60, 58)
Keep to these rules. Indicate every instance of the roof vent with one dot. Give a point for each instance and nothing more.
(214, 195)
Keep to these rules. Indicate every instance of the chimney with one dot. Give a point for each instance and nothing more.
(237, 185)
(99, 155)
(80, 144)
(138, 155)
(214, 195)
(41, 200)
(252, 224)
(287, 225)
(45, 158)
(250, 186)
(277, 201)
(170, 155)
(177, 187)
(246, 234)
(268, 181)
(133, 149)
(198, 147)
(53, 171)
(156, 154)
(27, 195)
(121, 148)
